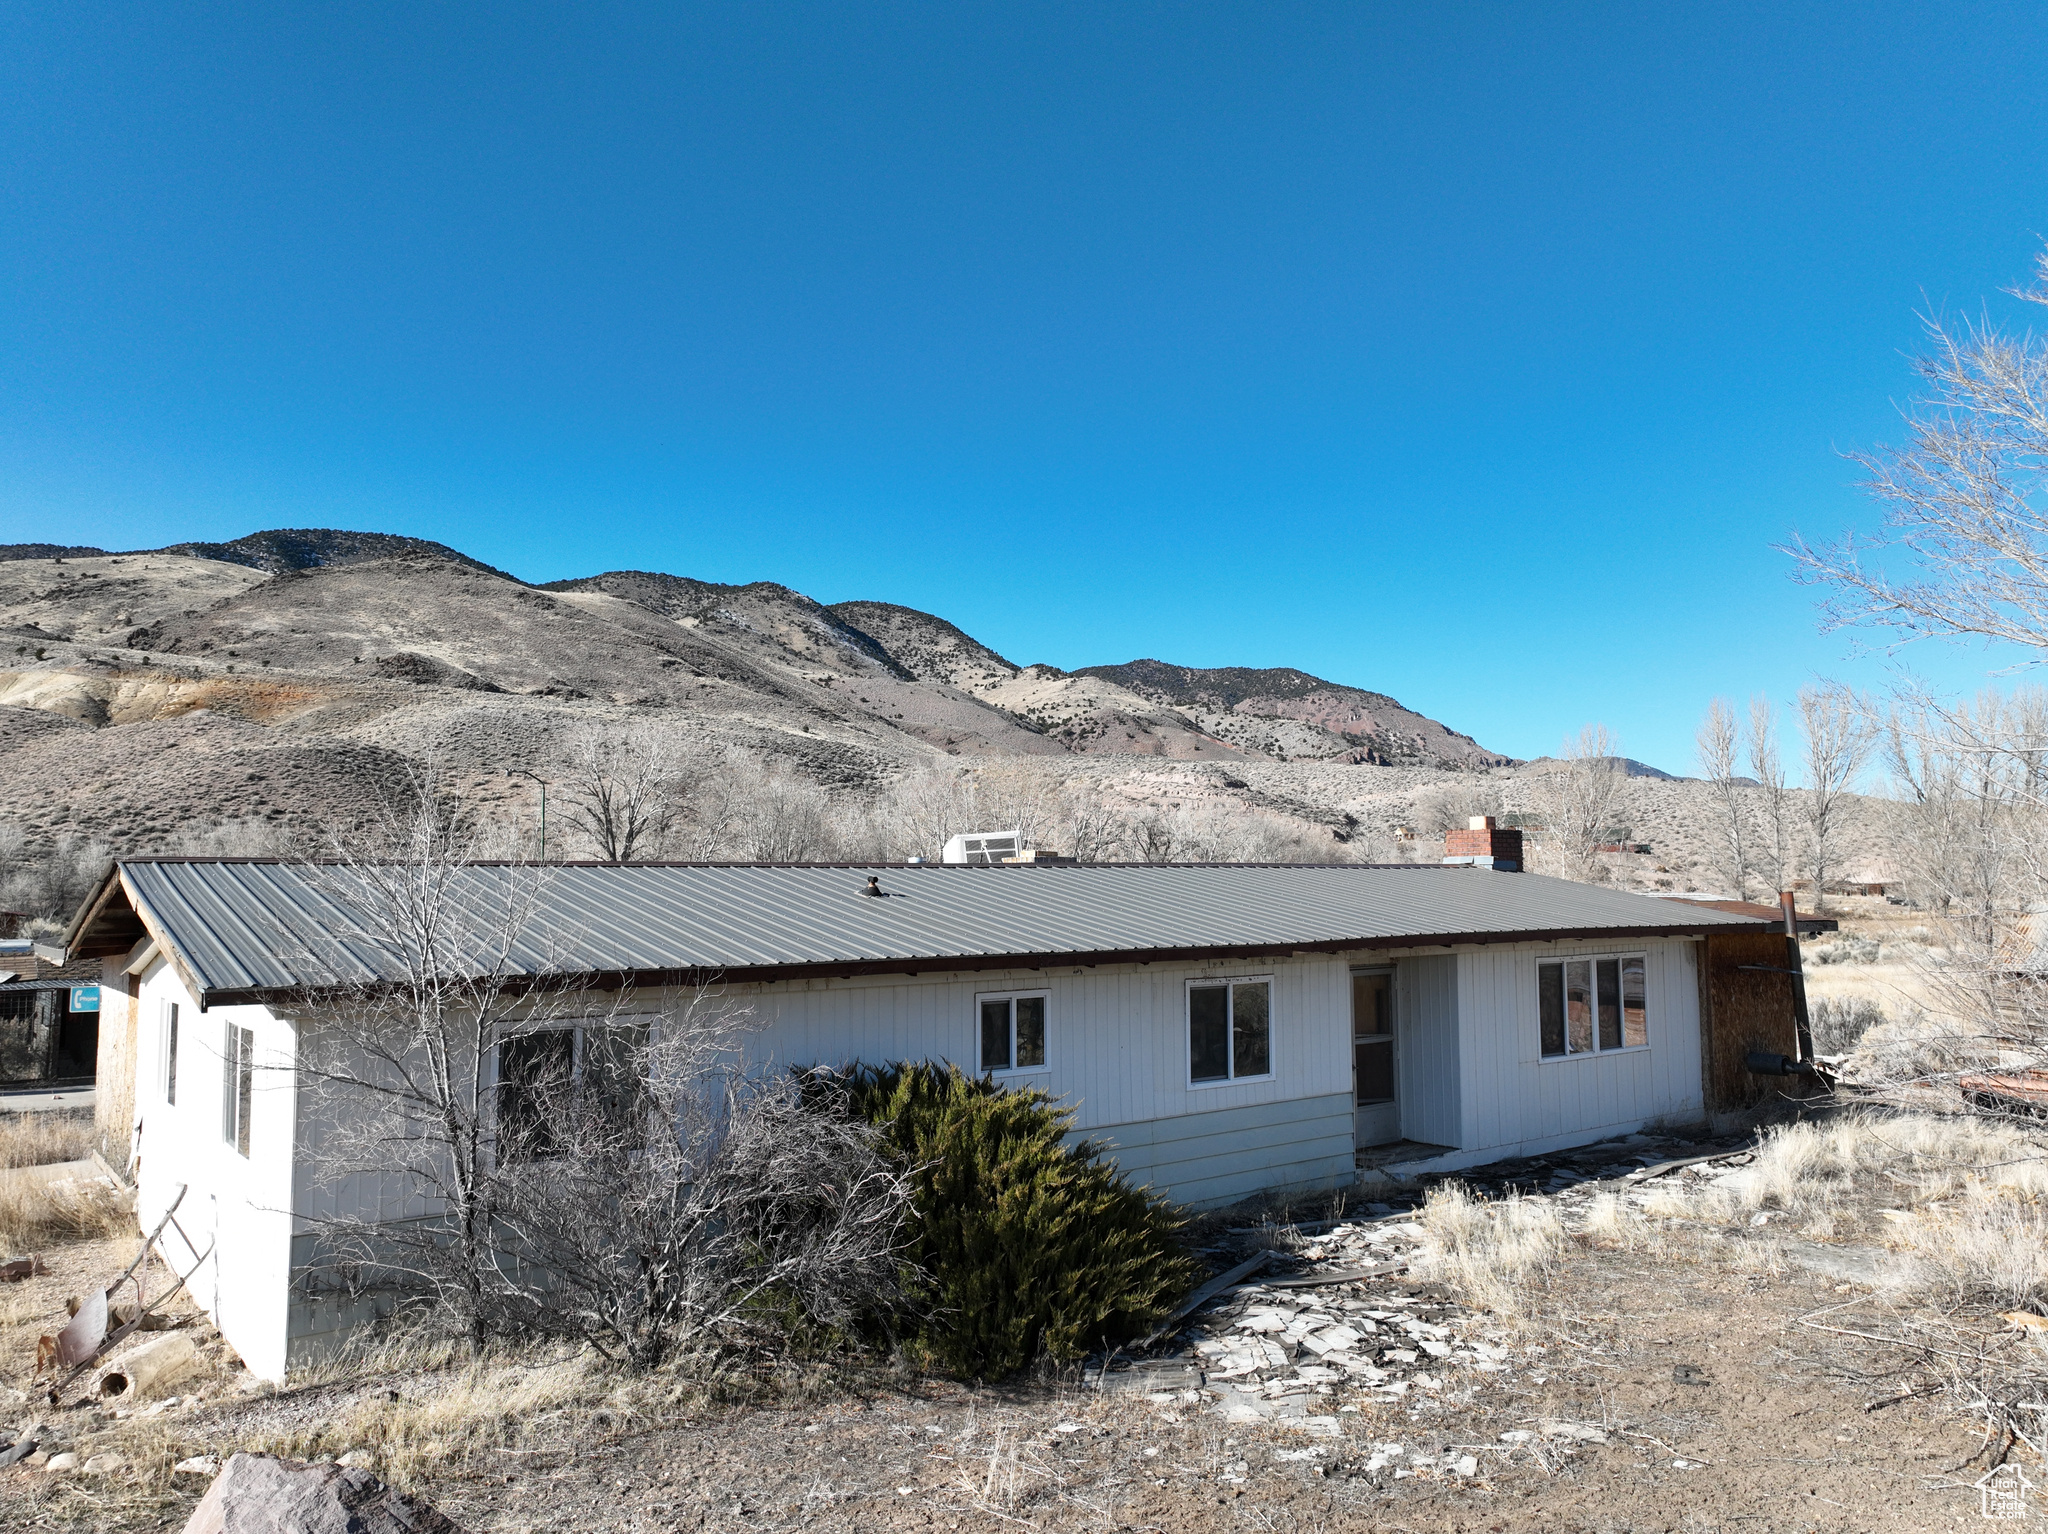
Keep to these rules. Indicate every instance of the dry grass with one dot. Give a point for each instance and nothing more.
(1988, 1246)
(449, 1412)
(447, 1419)
(1495, 1254)
(39, 1139)
(38, 1212)
(1611, 1222)
(1967, 1199)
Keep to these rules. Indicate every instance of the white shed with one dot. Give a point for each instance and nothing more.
(1220, 1029)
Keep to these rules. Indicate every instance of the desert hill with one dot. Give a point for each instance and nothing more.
(287, 548)
(1291, 714)
(303, 680)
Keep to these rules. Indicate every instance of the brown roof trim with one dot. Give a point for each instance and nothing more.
(970, 963)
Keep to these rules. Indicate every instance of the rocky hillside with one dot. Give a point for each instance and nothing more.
(1290, 714)
(301, 672)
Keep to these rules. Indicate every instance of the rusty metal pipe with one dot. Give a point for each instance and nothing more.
(1800, 1019)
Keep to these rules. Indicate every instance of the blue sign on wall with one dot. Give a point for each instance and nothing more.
(85, 998)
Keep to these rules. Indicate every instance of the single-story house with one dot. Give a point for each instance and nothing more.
(1220, 1029)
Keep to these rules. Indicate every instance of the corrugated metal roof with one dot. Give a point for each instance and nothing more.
(245, 928)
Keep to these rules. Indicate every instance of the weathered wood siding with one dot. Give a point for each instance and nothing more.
(1746, 1009)
(114, 1067)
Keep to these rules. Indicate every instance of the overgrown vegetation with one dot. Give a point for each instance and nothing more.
(40, 1139)
(38, 1211)
(1498, 1254)
(1028, 1247)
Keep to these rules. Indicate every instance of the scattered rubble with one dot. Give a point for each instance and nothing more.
(1326, 1316)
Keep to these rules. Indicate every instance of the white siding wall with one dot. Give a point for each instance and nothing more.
(241, 1203)
(1427, 1048)
(1116, 1036)
(1511, 1097)
(1116, 1052)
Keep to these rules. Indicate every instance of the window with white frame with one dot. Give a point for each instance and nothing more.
(1592, 1005)
(547, 1078)
(237, 1087)
(170, 1052)
(1230, 1030)
(1012, 1032)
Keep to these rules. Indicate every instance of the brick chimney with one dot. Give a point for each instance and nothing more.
(1484, 844)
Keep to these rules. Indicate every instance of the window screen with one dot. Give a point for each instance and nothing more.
(534, 1070)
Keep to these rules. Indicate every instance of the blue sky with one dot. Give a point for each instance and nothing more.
(1476, 354)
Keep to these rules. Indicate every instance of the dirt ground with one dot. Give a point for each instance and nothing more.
(1670, 1392)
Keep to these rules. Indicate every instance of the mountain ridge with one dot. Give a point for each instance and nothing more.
(338, 604)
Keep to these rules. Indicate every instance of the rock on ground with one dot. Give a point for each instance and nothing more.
(256, 1494)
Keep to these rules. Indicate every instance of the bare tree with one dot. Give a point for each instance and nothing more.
(1453, 806)
(1720, 743)
(1969, 788)
(1577, 797)
(1773, 842)
(396, 1058)
(779, 818)
(620, 790)
(1837, 742)
(1966, 497)
(537, 1157)
(1153, 837)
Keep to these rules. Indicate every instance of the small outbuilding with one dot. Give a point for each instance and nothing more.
(1219, 1029)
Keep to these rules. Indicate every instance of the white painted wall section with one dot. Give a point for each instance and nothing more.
(240, 1206)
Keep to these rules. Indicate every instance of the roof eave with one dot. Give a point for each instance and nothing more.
(763, 974)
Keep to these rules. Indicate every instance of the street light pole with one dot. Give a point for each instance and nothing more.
(521, 772)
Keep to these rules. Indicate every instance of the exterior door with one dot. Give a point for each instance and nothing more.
(1376, 1114)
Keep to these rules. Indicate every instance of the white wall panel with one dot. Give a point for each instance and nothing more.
(1427, 1048)
(242, 1205)
(1513, 1096)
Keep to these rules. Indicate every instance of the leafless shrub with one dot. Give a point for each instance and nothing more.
(1839, 1023)
(682, 1204)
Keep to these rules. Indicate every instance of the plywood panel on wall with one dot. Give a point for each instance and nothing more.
(1746, 1008)
(114, 1066)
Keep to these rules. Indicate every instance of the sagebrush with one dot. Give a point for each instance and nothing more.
(1028, 1247)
